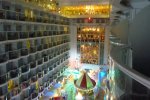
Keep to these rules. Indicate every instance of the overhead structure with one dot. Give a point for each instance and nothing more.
(81, 11)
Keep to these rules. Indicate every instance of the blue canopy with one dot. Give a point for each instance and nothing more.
(57, 85)
(49, 94)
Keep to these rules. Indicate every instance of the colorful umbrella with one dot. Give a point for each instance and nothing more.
(85, 82)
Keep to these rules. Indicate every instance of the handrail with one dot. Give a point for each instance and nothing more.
(118, 44)
(127, 70)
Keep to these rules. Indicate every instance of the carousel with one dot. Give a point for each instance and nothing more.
(85, 86)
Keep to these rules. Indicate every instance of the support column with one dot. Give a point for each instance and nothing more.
(73, 42)
(106, 44)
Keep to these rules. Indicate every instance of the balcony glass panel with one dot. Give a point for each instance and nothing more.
(39, 34)
(39, 19)
(40, 74)
(15, 91)
(24, 68)
(3, 79)
(32, 34)
(33, 64)
(23, 35)
(32, 49)
(4, 97)
(50, 68)
(55, 76)
(24, 52)
(20, 62)
(12, 35)
(13, 54)
(41, 88)
(34, 95)
(14, 73)
(40, 47)
(62, 71)
(25, 84)
(51, 79)
(8, 47)
(55, 54)
(3, 90)
(50, 44)
(45, 46)
(54, 43)
(45, 84)
(24, 78)
(40, 61)
(10, 15)
(21, 17)
(33, 79)
(3, 58)
(45, 58)
(2, 14)
(58, 73)
(45, 71)
(3, 36)
(130, 88)
(44, 66)
(45, 33)
(10, 66)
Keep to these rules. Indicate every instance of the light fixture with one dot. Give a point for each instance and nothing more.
(102, 10)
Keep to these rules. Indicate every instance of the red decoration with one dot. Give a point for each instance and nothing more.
(83, 85)
(58, 98)
(85, 82)
(90, 20)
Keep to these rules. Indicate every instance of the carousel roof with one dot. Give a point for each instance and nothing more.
(85, 82)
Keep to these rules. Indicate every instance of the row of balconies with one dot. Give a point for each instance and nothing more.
(12, 15)
(93, 20)
(13, 70)
(39, 43)
(55, 74)
(22, 35)
(28, 51)
(12, 25)
(90, 40)
(14, 54)
(43, 42)
(32, 60)
(28, 80)
(24, 13)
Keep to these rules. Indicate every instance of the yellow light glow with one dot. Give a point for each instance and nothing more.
(111, 98)
(55, 95)
(82, 46)
(96, 29)
(102, 10)
(94, 52)
(79, 96)
(79, 36)
(50, 5)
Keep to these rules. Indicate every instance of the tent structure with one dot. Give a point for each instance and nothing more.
(85, 82)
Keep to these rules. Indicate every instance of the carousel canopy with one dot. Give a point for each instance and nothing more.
(85, 82)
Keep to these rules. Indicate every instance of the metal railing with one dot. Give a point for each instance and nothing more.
(116, 53)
